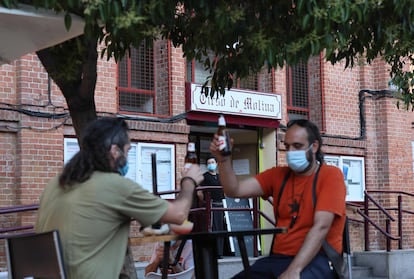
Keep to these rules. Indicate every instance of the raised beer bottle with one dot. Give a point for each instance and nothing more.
(224, 137)
(191, 156)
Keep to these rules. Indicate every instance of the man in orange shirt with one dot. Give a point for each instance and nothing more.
(298, 254)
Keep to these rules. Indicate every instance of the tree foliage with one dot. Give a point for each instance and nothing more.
(243, 35)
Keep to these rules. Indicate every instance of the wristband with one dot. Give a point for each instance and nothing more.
(190, 178)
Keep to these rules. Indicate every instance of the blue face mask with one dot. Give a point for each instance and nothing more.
(124, 170)
(297, 160)
(212, 167)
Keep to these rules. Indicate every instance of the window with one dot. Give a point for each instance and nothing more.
(304, 91)
(250, 82)
(140, 163)
(143, 80)
(298, 93)
(197, 73)
(353, 169)
(165, 166)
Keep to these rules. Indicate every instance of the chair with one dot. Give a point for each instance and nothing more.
(36, 255)
(186, 274)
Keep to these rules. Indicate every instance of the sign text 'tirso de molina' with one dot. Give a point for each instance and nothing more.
(238, 102)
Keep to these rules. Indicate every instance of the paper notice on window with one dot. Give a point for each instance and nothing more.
(354, 172)
(241, 167)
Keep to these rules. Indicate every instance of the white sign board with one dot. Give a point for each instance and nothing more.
(140, 164)
(237, 102)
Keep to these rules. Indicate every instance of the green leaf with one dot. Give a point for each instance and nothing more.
(68, 21)
(305, 21)
(102, 12)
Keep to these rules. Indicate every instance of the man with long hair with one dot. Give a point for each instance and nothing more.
(91, 203)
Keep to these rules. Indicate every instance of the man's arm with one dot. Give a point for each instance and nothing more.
(178, 210)
(312, 244)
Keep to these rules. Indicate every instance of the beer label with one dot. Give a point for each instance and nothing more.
(222, 142)
(187, 166)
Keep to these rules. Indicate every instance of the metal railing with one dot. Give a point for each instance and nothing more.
(206, 208)
(362, 210)
(4, 232)
(371, 204)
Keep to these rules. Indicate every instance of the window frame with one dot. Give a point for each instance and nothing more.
(160, 86)
(355, 195)
(289, 92)
(140, 169)
(236, 84)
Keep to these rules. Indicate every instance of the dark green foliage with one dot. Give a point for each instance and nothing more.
(246, 36)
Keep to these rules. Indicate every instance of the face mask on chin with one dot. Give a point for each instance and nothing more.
(122, 165)
(124, 170)
(297, 160)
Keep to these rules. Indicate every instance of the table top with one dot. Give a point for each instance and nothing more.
(197, 235)
(236, 233)
(153, 238)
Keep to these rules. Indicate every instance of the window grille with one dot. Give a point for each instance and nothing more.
(250, 82)
(138, 87)
(305, 91)
(197, 73)
(298, 92)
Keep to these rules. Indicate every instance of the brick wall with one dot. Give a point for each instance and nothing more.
(31, 148)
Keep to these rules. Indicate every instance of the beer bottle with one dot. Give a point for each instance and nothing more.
(191, 156)
(224, 137)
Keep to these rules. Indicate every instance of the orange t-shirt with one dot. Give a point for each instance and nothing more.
(330, 196)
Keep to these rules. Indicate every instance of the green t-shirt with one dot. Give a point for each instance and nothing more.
(93, 219)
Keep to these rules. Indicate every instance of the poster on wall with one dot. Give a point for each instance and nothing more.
(353, 169)
(139, 160)
(71, 147)
(165, 166)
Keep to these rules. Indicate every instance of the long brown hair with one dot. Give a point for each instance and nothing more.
(94, 154)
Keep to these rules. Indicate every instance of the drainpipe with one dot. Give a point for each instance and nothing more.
(362, 95)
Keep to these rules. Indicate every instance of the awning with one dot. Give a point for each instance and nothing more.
(236, 120)
(26, 30)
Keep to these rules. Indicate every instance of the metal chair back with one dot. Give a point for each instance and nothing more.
(36, 255)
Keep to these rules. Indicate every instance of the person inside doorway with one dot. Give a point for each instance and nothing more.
(212, 178)
(297, 254)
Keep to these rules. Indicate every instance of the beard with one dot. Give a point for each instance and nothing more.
(310, 158)
(120, 162)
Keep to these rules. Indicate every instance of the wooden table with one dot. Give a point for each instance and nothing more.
(205, 248)
(153, 238)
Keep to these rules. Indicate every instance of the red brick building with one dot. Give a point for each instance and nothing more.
(364, 131)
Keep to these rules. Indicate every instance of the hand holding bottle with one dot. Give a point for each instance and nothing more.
(222, 144)
(223, 137)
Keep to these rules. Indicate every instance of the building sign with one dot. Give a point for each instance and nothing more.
(237, 102)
